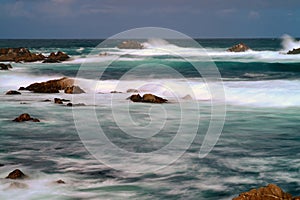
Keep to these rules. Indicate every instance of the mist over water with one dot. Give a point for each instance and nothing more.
(262, 88)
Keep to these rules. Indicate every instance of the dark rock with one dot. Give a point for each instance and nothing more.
(16, 174)
(60, 181)
(270, 192)
(130, 44)
(241, 47)
(46, 100)
(294, 51)
(132, 91)
(58, 101)
(13, 92)
(56, 57)
(22, 88)
(77, 104)
(114, 92)
(52, 86)
(147, 98)
(74, 90)
(25, 117)
(1, 165)
(5, 66)
(19, 54)
(49, 60)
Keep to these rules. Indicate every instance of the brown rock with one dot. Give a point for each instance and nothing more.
(74, 90)
(16, 174)
(58, 101)
(60, 181)
(132, 91)
(241, 47)
(55, 58)
(5, 66)
(115, 92)
(270, 192)
(294, 51)
(19, 54)
(136, 98)
(51, 86)
(13, 92)
(147, 98)
(130, 44)
(25, 117)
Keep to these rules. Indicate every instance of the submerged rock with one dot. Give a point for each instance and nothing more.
(16, 174)
(77, 104)
(60, 181)
(147, 98)
(115, 92)
(51, 86)
(130, 44)
(5, 66)
(17, 185)
(132, 91)
(25, 117)
(270, 192)
(74, 90)
(12, 92)
(241, 47)
(294, 51)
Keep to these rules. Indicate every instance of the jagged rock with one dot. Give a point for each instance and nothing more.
(16, 174)
(25, 117)
(270, 192)
(19, 54)
(132, 91)
(12, 92)
(294, 51)
(147, 98)
(60, 181)
(5, 66)
(241, 47)
(130, 44)
(52, 86)
(56, 57)
(74, 90)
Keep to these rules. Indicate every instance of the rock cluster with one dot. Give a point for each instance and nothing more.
(5, 66)
(270, 192)
(51, 86)
(147, 98)
(294, 51)
(22, 54)
(241, 47)
(130, 44)
(25, 117)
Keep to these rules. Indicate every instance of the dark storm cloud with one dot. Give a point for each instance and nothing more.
(103, 18)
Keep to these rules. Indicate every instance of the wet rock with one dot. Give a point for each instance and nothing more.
(17, 185)
(294, 51)
(5, 66)
(115, 92)
(25, 117)
(241, 47)
(16, 174)
(132, 91)
(51, 86)
(19, 54)
(147, 98)
(77, 104)
(130, 44)
(270, 192)
(13, 92)
(46, 100)
(74, 90)
(58, 101)
(56, 57)
(60, 181)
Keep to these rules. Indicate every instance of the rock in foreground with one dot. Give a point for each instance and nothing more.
(270, 192)
(5, 66)
(25, 117)
(16, 174)
(130, 44)
(147, 98)
(294, 51)
(52, 86)
(241, 47)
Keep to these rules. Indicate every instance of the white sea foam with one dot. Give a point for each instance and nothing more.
(289, 43)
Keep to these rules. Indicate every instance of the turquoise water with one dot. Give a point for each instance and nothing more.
(259, 143)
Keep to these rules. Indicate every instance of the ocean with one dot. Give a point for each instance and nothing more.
(258, 114)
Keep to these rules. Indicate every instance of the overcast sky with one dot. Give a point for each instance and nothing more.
(104, 18)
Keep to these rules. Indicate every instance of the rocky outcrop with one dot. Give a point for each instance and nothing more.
(25, 117)
(147, 98)
(5, 66)
(12, 92)
(294, 51)
(74, 90)
(52, 86)
(270, 192)
(56, 57)
(241, 47)
(130, 44)
(22, 54)
(16, 174)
